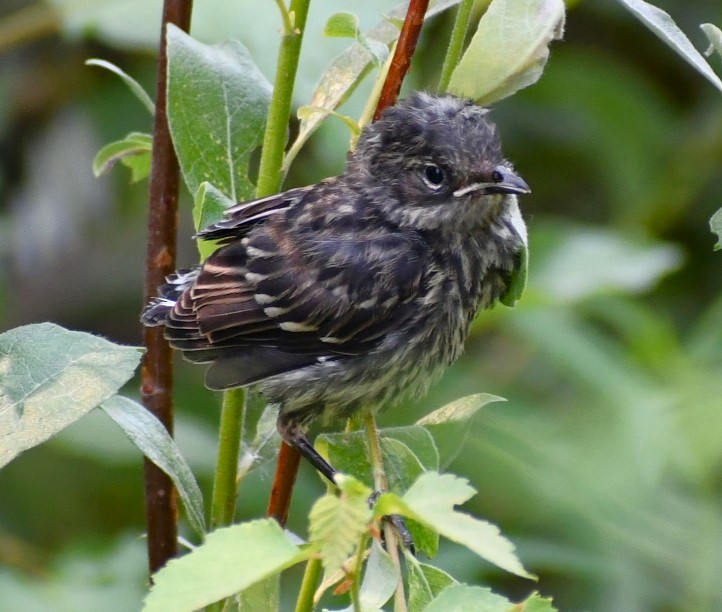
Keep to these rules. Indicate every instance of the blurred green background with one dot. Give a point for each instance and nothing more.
(604, 466)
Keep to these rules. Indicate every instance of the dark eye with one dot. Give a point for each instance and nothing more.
(497, 177)
(434, 176)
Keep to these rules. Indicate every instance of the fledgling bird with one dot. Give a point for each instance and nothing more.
(359, 290)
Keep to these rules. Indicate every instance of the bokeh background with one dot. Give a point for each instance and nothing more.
(604, 466)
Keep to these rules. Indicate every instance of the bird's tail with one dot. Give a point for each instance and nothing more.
(157, 311)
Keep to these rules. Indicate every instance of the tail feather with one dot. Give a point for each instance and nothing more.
(159, 308)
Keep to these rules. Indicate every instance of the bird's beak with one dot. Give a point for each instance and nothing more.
(509, 183)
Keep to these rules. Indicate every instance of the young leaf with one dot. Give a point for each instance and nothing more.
(463, 598)
(134, 144)
(338, 522)
(379, 581)
(231, 559)
(208, 207)
(508, 50)
(535, 603)
(153, 440)
(50, 377)
(135, 87)
(663, 26)
(459, 411)
(343, 25)
(431, 501)
(715, 224)
(217, 106)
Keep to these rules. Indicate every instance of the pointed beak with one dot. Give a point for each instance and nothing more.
(505, 181)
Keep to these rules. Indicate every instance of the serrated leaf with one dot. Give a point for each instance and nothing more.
(153, 440)
(664, 26)
(344, 25)
(347, 70)
(464, 598)
(714, 36)
(50, 377)
(135, 87)
(715, 224)
(231, 559)
(217, 106)
(535, 603)
(425, 582)
(459, 411)
(338, 522)
(431, 501)
(509, 49)
(133, 145)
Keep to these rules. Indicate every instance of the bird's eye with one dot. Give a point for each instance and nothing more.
(434, 176)
(497, 176)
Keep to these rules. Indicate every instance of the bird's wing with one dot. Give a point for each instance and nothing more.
(238, 220)
(279, 300)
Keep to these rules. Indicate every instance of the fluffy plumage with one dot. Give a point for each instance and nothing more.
(361, 289)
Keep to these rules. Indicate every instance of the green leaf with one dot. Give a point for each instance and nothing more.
(217, 106)
(231, 560)
(714, 35)
(425, 582)
(135, 87)
(715, 224)
(139, 166)
(153, 440)
(509, 49)
(664, 26)
(518, 280)
(343, 25)
(535, 603)
(431, 501)
(463, 598)
(379, 581)
(208, 207)
(459, 411)
(134, 145)
(338, 522)
(50, 377)
(347, 70)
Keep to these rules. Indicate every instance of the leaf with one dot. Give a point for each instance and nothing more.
(431, 501)
(459, 411)
(715, 224)
(135, 87)
(343, 25)
(714, 35)
(535, 603)
(379, 581)
(231, 559)
(134, 144)
(50, 377)
(517, 284)
(338, 522)
(217, 106)
(208, 207)
(464, 598)
(663, 26)
(153, 440)
(347, 70)
(510, 48)
(425, 582)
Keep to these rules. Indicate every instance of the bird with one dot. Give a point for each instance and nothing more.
(358, 291)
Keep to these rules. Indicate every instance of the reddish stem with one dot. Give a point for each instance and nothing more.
(286, 471)
(157, 371)
(402, 55)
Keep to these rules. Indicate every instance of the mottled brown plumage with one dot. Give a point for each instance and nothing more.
(359, 290)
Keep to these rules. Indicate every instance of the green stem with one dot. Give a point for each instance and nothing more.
(274, 141)
(456, 43)
(381, 484)
(308, 585)
(358, 565)
(225, 487)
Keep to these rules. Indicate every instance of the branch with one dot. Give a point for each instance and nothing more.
(402, 54)
(157, 371)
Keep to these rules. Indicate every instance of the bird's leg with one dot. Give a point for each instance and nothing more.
(295, 437)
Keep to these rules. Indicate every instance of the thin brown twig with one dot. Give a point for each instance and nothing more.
(286, 471)
(402, 55)
(157, 371)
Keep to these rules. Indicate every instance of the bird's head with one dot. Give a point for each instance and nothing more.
(438, 159)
